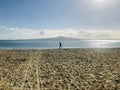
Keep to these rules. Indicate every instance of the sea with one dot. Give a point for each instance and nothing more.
(54, 44)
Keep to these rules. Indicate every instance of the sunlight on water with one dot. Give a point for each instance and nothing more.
(103, 43)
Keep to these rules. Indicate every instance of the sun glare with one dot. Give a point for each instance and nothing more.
(104, 2)
(101, 1)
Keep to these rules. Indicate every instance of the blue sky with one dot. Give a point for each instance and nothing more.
(37, 13)
(59, 15)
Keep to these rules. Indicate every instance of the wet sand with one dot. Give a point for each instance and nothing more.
(65, 69)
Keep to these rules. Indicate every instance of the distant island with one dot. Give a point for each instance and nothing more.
(62, 38)
(54, 38)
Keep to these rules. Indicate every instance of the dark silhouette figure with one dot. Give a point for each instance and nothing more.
(60, 45)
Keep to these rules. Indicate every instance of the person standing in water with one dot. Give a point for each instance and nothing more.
(60, 45)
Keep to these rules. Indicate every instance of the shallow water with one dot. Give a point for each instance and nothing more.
(47, 44)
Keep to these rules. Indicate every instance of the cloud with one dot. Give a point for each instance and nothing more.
(42, 32)
(100, 34)
(26, 33)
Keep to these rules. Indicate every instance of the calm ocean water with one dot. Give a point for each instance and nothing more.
(48, 44)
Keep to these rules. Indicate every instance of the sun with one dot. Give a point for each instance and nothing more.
(101, 1)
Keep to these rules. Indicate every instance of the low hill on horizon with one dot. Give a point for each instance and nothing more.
(53, 38)
(62, 38)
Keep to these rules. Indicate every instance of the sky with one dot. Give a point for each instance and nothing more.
(84, 19)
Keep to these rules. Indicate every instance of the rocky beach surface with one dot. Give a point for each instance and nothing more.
(60, 69)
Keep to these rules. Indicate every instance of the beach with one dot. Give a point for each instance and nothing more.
(60, 69)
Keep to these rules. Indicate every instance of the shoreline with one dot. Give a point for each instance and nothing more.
(55, 48)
